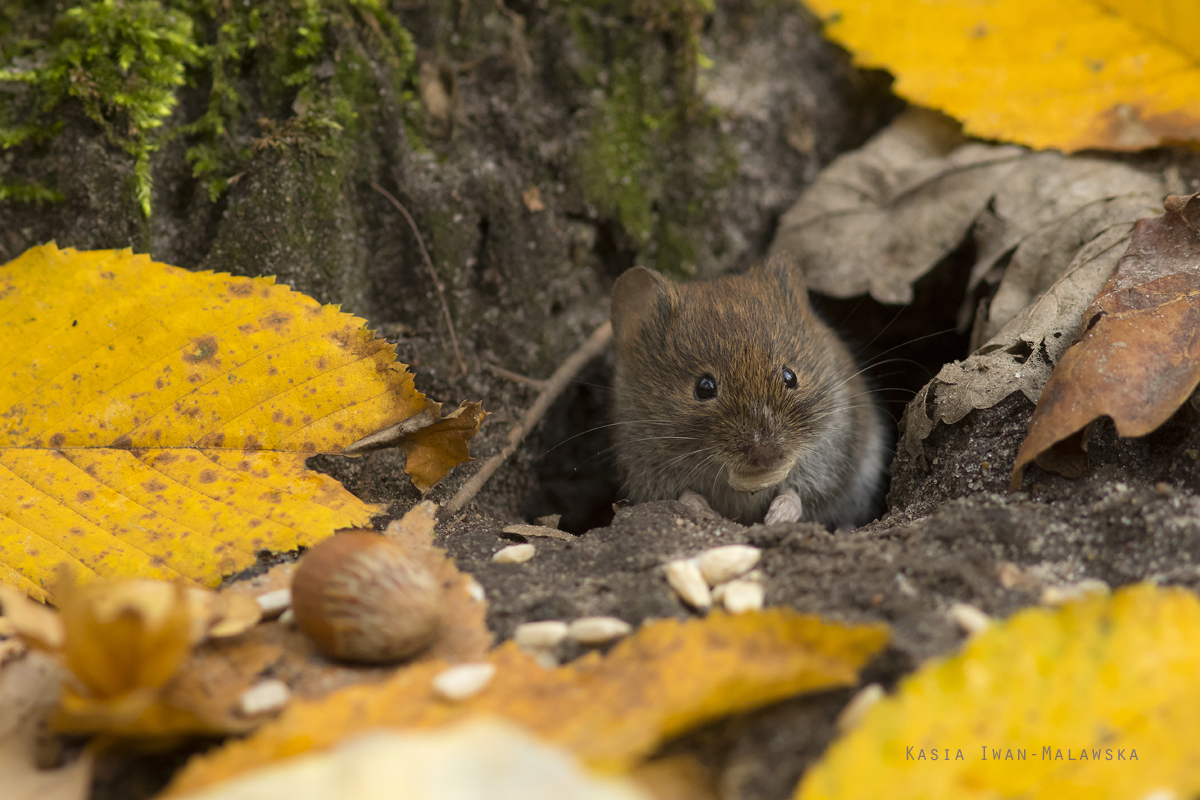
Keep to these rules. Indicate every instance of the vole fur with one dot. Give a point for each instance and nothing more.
(786, 426)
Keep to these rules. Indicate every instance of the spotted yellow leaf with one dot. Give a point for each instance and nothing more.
(1096, 700)
(1071, 75)
(612, 710)
(155, 422)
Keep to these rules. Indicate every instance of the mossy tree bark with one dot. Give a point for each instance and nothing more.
(542, 147)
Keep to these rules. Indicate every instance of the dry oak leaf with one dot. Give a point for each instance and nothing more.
(1139, 359)
(155, 422)
(1094, 700)
(612, 711)
(1071, 75)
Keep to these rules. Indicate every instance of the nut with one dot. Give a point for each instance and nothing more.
(269, 695)
(1060, 595)
(360, 597)
(535, 635)
(598, 630)
(742, 596)
(721, 564)
(514, 554)
(971, 619)
(689, 584)
(463, 681)
(274, 603)
(857, 708)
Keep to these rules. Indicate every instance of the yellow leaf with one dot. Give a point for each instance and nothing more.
(155, 422)
(1074, 74)
(124, 636)
(1095, 700)
(612, 711)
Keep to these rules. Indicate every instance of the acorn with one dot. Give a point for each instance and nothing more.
(361, 597)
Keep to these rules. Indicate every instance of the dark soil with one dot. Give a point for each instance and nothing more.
(526, 287)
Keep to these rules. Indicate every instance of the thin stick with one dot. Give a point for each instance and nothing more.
(554, 387)
(515, 377)
(437, 283)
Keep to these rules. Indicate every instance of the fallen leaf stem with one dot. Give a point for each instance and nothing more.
(554, 386)
(437, 282)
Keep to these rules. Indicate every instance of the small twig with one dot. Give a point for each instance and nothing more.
(515, 377)
(437, 283)
(554, 386)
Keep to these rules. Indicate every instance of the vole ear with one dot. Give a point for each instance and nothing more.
(634, 298)
(783, 268)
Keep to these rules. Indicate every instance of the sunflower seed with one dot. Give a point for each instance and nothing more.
(463, 681)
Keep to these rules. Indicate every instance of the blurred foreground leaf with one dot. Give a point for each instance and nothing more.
(1095, 700)
(612, 710)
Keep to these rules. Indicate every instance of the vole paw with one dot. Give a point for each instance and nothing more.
(696, 503)
(784, 508)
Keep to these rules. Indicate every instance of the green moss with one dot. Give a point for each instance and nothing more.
(125, 61)
(29, 193)
(642, 163)
(122, 60)
(306, 56)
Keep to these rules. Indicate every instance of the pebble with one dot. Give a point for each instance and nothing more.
(742, 596)
(514, 554)
(463, 681)
(857, 708)
(262, 697)
(688, 582)
(598, 630)
(274, 603)
(540, 635)
(971, 619)
(475, 590)
(722, 564)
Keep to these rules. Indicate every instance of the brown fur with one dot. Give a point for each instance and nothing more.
(743, 330)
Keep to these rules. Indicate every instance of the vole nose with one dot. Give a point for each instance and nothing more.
(761, 450)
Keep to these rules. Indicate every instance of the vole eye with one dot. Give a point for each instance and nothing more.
(789, 379)
(706, 387)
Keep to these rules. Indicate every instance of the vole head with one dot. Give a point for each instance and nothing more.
(735, 377)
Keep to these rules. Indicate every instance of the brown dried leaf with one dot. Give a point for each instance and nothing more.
(1139, 359)
(432, 451)
(1047, 231)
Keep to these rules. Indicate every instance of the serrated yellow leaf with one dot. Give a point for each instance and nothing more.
(154, 422)
(611, 711)
(1074, 74)
(1096, 700)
